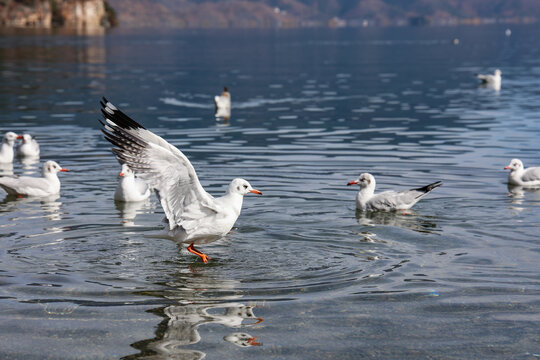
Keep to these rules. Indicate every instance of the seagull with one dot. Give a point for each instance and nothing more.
(48, 184)
(29, 147)
(223, 103)
(129, 188)
(193, 216)
(6, 150)
(491, 80)
(522, 177)
(366, 200)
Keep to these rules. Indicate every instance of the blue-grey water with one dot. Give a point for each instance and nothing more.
(301, 276)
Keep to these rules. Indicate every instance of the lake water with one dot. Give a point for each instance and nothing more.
(301, 276)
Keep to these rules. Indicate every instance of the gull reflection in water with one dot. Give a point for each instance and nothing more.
(183, 320)
(242, 339)
(495, 87)
(518, 193)
(130, 210)
(406, 219)
(49, 206)
(30, 165)
(223, 114)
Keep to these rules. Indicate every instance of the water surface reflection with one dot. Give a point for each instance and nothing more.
(196, 301)
(405, 219)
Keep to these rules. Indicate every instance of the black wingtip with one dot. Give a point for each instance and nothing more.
(117, 116)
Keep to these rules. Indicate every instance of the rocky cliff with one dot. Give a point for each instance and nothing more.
(49, 13)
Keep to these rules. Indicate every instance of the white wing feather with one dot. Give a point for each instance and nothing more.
(531, 174)
(164, 167)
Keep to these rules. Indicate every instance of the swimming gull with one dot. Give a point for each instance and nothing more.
(367, 200)
(6, 150)
(521, 176)
(47, 184)
(129, 188)
(29, 148)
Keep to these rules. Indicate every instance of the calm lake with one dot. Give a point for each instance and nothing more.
(301, 276)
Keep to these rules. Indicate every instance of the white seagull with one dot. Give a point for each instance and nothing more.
(223, 103)
(48, 184)
(129, 188)
(193, 215)
(29, 148)
(491, 80)
(366, 200)
(6, 150)
(523, 177)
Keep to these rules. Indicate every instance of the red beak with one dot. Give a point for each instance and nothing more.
(19, 136)
(252, 342)
(353, 183)
(121, 174)
(255, 191)
(507, 167)
(64, 170)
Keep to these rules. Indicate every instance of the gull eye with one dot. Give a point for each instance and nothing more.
(245, 186)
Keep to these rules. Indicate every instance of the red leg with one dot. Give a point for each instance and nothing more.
(203, 257)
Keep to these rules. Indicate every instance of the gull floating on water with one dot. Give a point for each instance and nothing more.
(29, 147)
(521, 176)
(6, 150)
(129, 188)
(366, 199)
(493, 81)
(48, 184)
(223, 104)
(193, 215)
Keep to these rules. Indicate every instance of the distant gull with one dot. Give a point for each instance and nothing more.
(129, 188)
(493, 81)
(193, 215)
(523, 177)
(6, 150)
(29, 148)
(223, 104)
(508, 32)
(48, 184)
(366, 200)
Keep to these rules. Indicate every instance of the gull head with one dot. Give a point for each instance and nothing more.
(365, 180)
(126, 171)
(498, 72)
(52, 167)
(26, 138)
(515, 164)
(242, 187)
(10, 137)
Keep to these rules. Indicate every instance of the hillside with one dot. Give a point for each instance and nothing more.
(295, 13)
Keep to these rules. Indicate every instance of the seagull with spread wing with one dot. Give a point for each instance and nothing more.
(193, 215)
